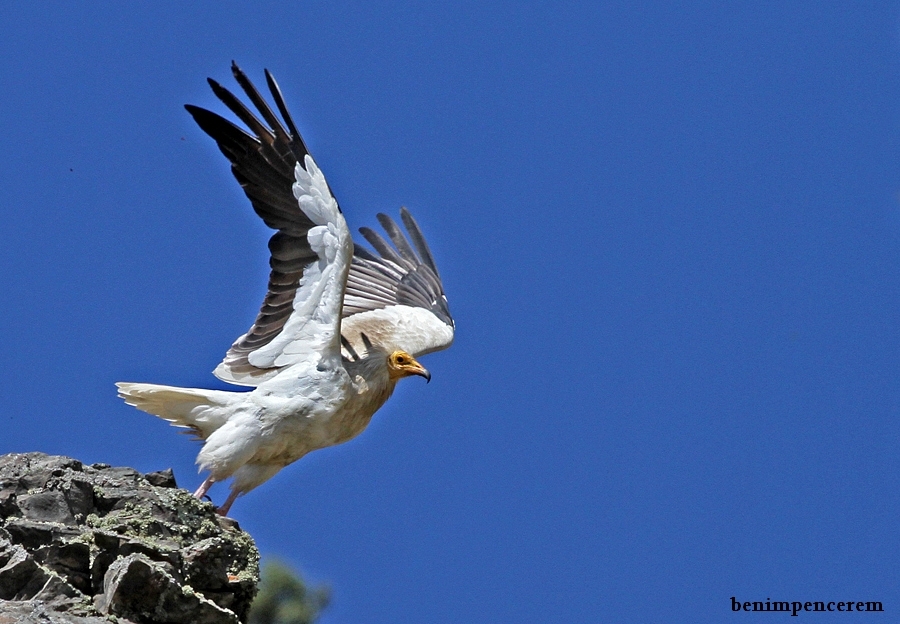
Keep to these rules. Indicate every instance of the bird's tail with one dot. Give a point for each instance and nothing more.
(201, 411)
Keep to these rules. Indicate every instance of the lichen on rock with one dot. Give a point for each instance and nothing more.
(82, 543)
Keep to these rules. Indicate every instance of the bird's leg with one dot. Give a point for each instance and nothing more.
(223, 510)
(204, 487)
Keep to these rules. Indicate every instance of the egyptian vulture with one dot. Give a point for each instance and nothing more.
(339, 325)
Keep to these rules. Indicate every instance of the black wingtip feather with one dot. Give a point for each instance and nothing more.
(393, 231)
(381, 246)
(230, 138)
(243, 113)
(275, 90)
(260, 103)
(418, 239)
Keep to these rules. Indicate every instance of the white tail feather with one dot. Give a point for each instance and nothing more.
(204, 411)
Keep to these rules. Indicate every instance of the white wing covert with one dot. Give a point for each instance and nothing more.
(313, 328)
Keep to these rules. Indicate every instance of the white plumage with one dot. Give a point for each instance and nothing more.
(338, 327)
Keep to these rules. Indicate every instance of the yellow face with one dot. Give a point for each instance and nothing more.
(402, 364)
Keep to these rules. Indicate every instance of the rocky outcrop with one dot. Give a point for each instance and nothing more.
(82, 543)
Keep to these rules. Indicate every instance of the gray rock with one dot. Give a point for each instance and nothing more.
(137, 588)
(20, 576)
(71, 561)
(32, 612)
(161, 478)
(81, 544)
(46, 506)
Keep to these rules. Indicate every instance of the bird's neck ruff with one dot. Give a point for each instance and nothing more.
(373, 368)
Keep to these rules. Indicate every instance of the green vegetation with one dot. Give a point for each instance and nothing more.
(284, 598)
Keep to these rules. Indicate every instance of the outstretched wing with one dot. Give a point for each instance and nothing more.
(395, 300)
(311, 250)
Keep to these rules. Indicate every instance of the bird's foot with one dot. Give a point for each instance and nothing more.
(223, 510)
(204, 487)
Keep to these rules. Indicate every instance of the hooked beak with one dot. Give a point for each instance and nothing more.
(421, 371)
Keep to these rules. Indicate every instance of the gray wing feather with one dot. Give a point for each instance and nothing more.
(398, 275)
(419, 241)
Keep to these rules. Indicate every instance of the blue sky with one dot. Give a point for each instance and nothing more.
(670, 236)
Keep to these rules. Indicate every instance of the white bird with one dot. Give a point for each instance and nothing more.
(339, 325)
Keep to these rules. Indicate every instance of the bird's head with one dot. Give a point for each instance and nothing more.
(401, 364)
